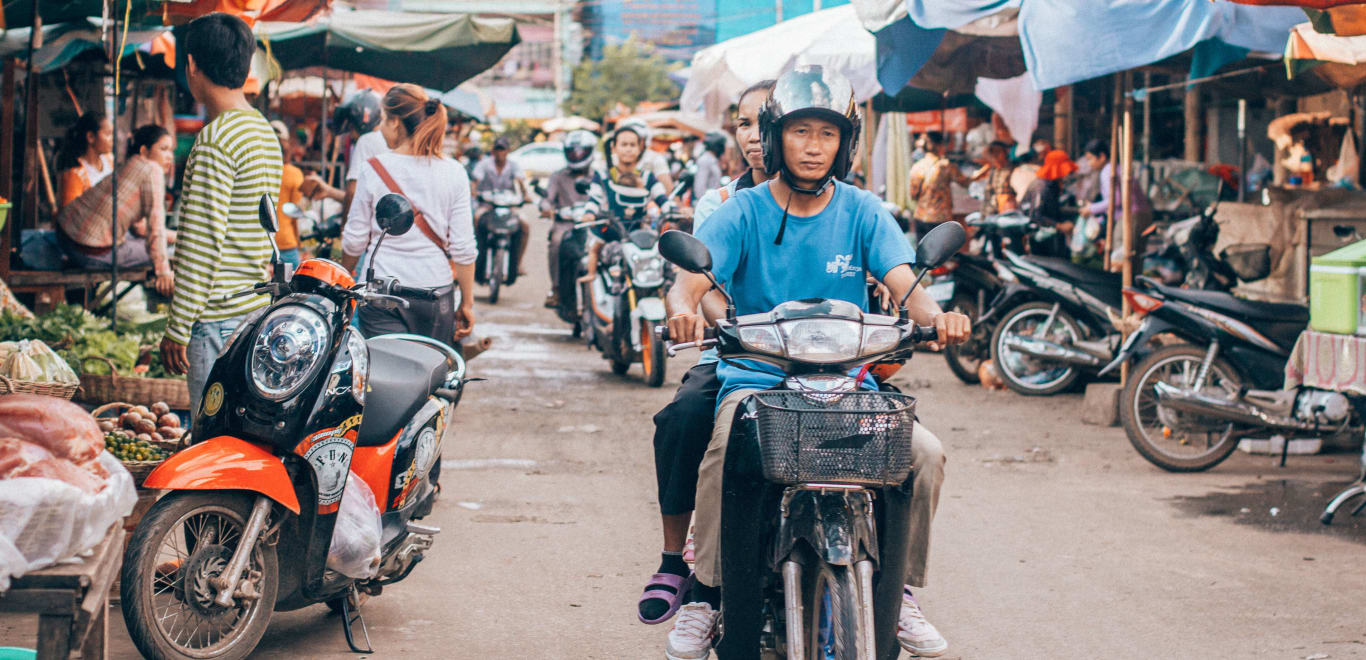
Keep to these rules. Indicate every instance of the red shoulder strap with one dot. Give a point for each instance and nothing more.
(418, 219)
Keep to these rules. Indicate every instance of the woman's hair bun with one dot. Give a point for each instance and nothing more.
(432, 106)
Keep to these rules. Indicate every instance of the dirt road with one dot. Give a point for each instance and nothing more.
(1053, 540)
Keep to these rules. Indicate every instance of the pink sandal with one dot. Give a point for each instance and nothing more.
(680, 585)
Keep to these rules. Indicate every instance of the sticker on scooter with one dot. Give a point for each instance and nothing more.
(329, 452)
(213, 399)
(424, 452)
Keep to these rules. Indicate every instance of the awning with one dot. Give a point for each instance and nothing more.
(67, 41)
(432, 50)
(833, 38)
(19, 13)
(465, 102)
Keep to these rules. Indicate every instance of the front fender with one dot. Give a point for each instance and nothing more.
(226, 463)
(1151, 327)
(832, 525)
(1012, 295)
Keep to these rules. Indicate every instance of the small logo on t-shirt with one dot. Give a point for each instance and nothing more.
(841, 266)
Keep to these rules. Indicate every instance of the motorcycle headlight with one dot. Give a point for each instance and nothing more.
(647, 267)
(360, 364)
(879, 338)
(761, 339)
(289, 344)
(822, 340)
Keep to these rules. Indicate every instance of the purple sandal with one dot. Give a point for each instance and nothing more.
(680, 586)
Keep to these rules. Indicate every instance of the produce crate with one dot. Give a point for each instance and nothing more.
(96, 389)
(1337, 284)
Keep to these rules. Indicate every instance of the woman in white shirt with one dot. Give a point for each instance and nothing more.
(438, 257)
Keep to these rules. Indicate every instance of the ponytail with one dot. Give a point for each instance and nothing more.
(423, 118)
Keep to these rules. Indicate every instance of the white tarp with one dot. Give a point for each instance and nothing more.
(833, 38)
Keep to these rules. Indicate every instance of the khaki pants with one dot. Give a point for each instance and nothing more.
(927, 457)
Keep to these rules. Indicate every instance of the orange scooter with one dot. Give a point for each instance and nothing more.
(296, 402)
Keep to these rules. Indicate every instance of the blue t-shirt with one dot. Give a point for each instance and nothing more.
(821, 256)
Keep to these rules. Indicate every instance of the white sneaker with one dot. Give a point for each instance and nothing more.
(916, 634)
(694, 633)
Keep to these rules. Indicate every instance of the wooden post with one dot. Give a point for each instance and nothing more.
(1062, 119)
(1113, 161)
(1192, 120)
(7, 161)
(1126, 194)
(29, 216)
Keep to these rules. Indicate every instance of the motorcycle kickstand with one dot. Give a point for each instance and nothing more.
(352, 616)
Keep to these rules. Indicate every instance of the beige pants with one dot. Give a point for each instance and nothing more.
(927, 457)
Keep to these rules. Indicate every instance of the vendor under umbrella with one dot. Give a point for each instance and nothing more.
(83, 226)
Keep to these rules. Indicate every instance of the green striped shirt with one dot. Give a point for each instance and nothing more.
(221, 248)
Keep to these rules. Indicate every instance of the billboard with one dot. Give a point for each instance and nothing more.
(676, 28)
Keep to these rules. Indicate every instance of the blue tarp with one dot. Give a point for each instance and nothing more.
(1068, 41)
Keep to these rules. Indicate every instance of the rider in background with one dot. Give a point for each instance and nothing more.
(623, 191)
(708, 175)
(495, 173)
(683, 428)
(561, 192)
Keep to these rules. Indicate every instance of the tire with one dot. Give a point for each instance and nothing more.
(568, 290)
(653, 355)
(1011, 365)
(620, 368)
(832, 627)
(496, 275)
(1157, 445)
(147, 554)
(963, 359)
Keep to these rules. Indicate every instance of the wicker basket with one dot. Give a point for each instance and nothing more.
(139, 469)
(145, 391)
(11, 386)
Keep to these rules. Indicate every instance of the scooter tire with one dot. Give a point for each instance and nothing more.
(1128, 412)
(654, 356)
(845, 634)
(998, 336)
(496, 277)
(978, 347)
(139, 575)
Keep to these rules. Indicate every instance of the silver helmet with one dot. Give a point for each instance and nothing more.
(810, 91)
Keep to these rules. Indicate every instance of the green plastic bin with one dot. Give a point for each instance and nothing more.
(1337, 283)
(16, 653)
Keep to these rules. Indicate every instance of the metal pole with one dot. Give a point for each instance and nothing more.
(1146, 174)
(112, 103)
(1126, 192)
(1113, 159)
(1242, 149)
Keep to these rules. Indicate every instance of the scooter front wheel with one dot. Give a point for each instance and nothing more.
(833, 625)
(1177, 441)
(964, 359)
(1027, 374)
(652, 354)
(497, 260)
(185, 540)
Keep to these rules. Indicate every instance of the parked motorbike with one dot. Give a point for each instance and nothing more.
(1186, 406)
(296, 402)
(814, 574)
(501, 235)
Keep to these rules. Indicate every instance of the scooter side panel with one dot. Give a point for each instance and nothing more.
(374, 465)
(226, 463)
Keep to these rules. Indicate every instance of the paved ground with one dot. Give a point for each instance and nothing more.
(1054, 539)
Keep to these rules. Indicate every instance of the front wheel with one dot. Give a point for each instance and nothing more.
(652, 354)
(833, 627)
(964, 359)
(496, 260)
(184, 541)
(1027, 374)
(1177, 441)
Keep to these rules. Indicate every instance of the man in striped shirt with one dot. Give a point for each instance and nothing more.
(221, 247)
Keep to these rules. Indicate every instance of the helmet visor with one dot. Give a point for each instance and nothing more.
(813, 90)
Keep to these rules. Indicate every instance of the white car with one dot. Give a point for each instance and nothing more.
(539, 159)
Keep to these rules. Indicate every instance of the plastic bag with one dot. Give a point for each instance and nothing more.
(55, 369)
(356, 538)
(1344, 173)
(43, 520)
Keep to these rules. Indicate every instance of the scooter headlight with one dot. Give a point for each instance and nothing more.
(822, 340)
(290, 343)
(359, 358)
(647, 268)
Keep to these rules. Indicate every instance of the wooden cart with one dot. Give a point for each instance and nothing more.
(71, 600)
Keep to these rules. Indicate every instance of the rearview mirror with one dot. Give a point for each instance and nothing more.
(940, 244)
(394, 214)
(266, 212)
(685, 251)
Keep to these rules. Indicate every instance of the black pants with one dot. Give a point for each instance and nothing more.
(682, 432)
(429, 318)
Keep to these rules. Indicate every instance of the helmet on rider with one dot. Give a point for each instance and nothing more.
(359, 112)
(809, 91)
(715, 142)
(578, 149)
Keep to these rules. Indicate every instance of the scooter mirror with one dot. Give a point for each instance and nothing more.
(266, 212)
(685, 251)
(394, 214)
(940, 244)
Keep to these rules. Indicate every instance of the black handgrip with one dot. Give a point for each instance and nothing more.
(708, 332)
(924, 333)
(415, 292)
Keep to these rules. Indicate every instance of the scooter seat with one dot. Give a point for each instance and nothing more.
(403, 374)
(1106, 287)
(1237, 307)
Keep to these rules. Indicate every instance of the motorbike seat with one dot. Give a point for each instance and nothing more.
(403, 374)
(1238, 307)
(1106, 287)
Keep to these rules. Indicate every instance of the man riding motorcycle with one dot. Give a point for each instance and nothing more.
(561, 192)
(803, 235)
(623, 191)
(495, 173)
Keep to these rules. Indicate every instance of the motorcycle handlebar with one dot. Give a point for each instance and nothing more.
(663, 332)
(414, 292)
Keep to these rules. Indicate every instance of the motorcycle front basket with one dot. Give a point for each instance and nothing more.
(856, 438)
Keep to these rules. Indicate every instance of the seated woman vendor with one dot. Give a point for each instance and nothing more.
(84, 224)
(87, 155)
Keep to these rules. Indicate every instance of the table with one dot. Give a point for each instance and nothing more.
(71, 600)
(50, 286)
